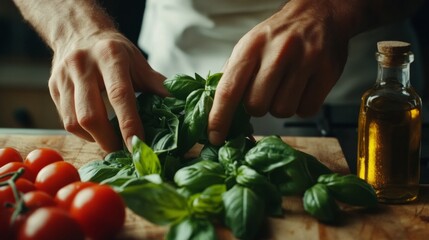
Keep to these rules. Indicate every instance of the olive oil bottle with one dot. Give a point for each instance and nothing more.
(389, 128)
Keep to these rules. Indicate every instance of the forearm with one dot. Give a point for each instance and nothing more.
(61, 22)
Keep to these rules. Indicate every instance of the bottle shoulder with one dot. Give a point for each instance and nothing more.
(391, 98)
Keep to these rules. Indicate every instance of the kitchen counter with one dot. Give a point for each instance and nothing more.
(409, 221)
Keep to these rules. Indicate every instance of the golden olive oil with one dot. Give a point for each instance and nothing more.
(389, 133)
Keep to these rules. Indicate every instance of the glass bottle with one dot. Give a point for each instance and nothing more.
(389, 127)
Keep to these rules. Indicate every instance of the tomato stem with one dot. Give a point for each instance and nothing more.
(17, 173)
(19, 201)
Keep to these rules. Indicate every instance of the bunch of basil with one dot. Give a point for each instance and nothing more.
(237, 185)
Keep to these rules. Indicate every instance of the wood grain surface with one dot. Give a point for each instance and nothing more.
(409, 221)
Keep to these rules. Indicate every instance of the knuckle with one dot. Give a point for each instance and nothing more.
(117, 93)
(87, 121)
(76, 60)
(108, 49)
(70, 125)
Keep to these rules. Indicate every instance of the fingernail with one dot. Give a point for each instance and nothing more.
(216, 138)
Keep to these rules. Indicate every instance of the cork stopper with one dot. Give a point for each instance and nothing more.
(394, 53)
(393, 47)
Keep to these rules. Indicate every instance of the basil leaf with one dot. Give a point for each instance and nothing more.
(176, 106)
(212, 82)
(198, 105)
(114, 156)
(240, 124)
(270, 153)
(97, 171)
(200, 175)
(192, 229)
(209, 202)
(233, 150)
(320, 204)
(298, 175)
(350, 189)
(180, 86)
(209, 152)
(158, 203)
(161, 125)
(145, 160)
(244, 212)
(229, 158)
(248, 177)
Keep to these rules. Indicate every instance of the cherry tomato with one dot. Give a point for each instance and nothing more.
(55, 176)
(99, 210)
(50, 223)
(66, 194)
(5, 225)
(23, 185)
(37, 199)
(13, 167)
(9, 154)
(41, 157)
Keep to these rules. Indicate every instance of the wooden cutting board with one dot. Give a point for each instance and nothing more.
(410, 221)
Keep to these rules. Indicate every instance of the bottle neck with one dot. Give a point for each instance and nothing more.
(394, 74)
(394, 68)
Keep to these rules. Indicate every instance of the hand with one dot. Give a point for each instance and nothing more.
(102, 62)
(286, 65)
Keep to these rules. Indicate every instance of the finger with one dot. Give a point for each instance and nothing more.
(229, 93)
(318, 88)
(62, 93)
(91, 113)
(120, 92)
(295, 79)
(147, 79)
(289, 94)
(278, 61)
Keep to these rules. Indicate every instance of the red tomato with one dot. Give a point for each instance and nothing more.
(41, 157)
(66, 194)
(50, 223)
(13, 167)
(5, 225)
(9, 154)
(23, 185)
(100, 211)
(37, 199)
(55, 176)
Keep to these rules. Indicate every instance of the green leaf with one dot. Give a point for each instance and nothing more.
(240, 124)
(192, 229)
(97, 171)
(180, 86)
(248, 177)
(200, 175)
(244, 212)
(298, 175)
(209, 152)
(320, 204)
(160, 123)
(198, 105)
(212, 82)
(209, 202)
(158, 203)
(270, 153)
(350, 189)
(145, 160)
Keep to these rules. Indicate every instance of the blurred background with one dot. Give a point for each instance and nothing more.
(25, 68)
